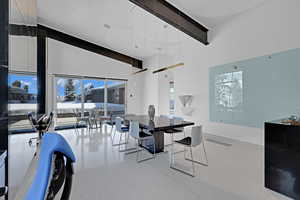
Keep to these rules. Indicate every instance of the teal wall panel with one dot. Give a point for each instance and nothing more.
(256, 90)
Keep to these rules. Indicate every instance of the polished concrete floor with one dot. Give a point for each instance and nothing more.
(235, 171)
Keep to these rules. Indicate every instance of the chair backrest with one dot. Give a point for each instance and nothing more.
(177, 118)
(134, 129)
(118, 122)
(165, 116)
(77, 113)
(197, 135)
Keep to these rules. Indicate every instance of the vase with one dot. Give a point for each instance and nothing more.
(151, 112)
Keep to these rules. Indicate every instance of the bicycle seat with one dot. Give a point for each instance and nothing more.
(51, 144)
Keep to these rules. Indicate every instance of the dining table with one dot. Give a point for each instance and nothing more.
(157, 126)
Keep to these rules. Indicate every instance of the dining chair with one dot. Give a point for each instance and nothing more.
(111, 122)
(140, 137)
(195, 140)
(173, 131)
(93, 118)
(80, 118)
(121, 129)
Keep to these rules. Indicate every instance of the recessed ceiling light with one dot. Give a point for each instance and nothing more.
(107, 26)
(136, 46)
(159, 48)
(166, 26)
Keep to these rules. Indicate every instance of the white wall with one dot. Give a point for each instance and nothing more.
(69, 60)
(22, 53)
(270, 28)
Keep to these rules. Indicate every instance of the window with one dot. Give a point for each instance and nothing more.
(229, 91)
(68, 99)
(22, 99)
(116, 97)
(94, 94)
(108, 97)
(172, 98)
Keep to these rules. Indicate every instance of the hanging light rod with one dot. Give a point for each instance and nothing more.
(140, 71)
(168, 67)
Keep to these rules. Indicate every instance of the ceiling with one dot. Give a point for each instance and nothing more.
(124, 27)
(22, 12)
(215, 12)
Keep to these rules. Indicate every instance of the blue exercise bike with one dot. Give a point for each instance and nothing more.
(51, 170)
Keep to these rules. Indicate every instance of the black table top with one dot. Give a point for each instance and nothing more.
(159, 123)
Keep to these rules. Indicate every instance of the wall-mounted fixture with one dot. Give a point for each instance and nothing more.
(186, 101)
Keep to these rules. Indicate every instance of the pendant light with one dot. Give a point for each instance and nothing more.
(169, 67)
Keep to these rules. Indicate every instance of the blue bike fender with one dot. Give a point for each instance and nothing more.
(51, 143)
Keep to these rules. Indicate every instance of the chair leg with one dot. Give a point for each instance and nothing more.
(172, 150)
(199, 162)
(75, 127)
(172, 166)
(127, 150)
(113, 133)
(120, 141)
(125, 141)
(193, 164)
(205, 152)
(154, 148)
(137, 150)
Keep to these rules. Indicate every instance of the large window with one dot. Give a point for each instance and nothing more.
(116, 97)
(68, 100)
(87, 96)
(22, 99)
(94, 96)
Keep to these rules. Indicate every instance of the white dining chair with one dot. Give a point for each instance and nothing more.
(140, 136)
(195, 140)
(173, 131)
(122, 130)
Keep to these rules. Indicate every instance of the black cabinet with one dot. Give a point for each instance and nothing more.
(282, 158)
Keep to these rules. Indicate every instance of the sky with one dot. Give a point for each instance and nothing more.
(31, 81)
(25, 80)
(86, 83)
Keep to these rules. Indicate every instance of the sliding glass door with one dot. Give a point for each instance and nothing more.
(68, 100)
(94, 96)
(116, 97)
(22, 99)
(102, 97)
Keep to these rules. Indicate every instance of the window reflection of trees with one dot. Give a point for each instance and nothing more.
(229, 91)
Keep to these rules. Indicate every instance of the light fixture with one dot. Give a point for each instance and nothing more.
(168, 67)
(107, 26)
(140, 71)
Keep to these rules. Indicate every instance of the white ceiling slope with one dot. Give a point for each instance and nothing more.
(22, 12)
(132, 30)
(215, 12)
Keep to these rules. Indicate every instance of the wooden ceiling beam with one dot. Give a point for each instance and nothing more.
(173, 16)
